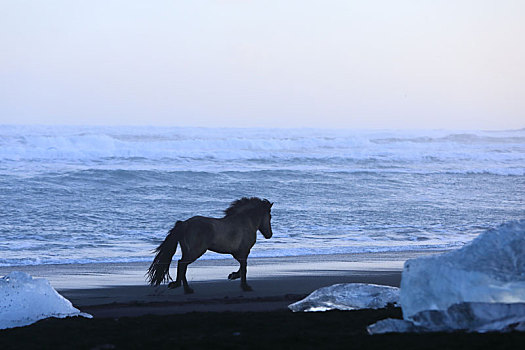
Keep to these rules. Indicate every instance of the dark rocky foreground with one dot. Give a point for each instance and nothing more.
(241, 330)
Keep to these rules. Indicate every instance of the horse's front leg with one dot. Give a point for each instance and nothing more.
(241, 273)
(235, 275)
(244, 285)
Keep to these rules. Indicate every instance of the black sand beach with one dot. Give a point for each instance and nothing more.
(241, 330)
(129, 314)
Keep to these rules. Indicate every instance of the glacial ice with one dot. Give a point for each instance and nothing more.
(472, 317)
(347, 296)
(393, 325)
(479, 317)
(480, 287)
(490, 269)
(25, 300)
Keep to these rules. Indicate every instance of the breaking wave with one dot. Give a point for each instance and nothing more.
(37, 148)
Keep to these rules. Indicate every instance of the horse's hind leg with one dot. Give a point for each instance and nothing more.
(181, 269)
(178, 281)
(191, 251)
(187, 258)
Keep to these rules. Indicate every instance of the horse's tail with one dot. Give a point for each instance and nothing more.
(159, 271)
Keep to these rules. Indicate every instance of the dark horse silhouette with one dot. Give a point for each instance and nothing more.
(233, 234)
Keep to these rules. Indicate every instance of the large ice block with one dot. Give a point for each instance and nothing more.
(490, 269)
(24, 300)
(348, 296)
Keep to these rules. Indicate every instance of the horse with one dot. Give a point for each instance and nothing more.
(234, 234)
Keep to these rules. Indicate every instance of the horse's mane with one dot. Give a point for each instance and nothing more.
(246, 204)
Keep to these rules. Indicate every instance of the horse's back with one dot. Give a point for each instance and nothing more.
(200, 221)
(201, 226)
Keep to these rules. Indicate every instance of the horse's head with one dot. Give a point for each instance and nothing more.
(265, 226)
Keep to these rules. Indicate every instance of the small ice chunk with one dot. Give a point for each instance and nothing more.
(490, 269)
(25, 300)
(474, 317)
(347, 296)
(393, 325)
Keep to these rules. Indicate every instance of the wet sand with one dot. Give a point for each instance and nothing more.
(268, 294)
(114, 290)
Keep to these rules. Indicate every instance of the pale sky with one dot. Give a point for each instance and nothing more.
(334, 64)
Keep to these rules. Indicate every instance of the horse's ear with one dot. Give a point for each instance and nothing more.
(271, 204)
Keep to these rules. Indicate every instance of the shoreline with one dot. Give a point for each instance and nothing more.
(120, 289)
(104, 275)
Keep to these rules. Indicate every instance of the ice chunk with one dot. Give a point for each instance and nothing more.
(478, 317)
(348, 296)
(490, 269)
(472, 317)
(24, 300)
(480, 287)
(393, 325)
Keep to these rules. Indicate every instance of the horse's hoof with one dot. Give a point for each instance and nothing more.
(246, 288)
(233, 276)
(173, 285)
(188, 291)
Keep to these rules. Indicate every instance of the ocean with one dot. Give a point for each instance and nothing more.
(110, 194)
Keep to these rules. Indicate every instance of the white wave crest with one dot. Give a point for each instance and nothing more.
(248, 149)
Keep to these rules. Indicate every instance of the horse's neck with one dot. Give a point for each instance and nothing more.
(253, 221)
